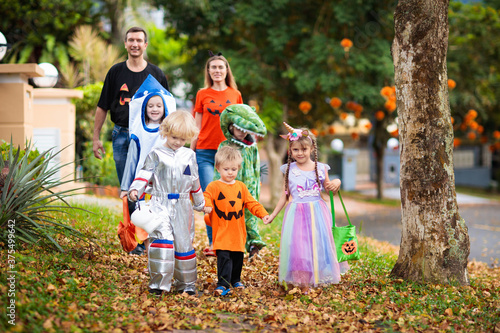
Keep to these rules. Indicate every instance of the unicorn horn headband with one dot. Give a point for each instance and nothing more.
(294, 134)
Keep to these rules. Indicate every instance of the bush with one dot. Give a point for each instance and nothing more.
(5, 148)
(100, 172)
(28, 201)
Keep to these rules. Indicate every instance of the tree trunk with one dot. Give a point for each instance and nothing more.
(116, 10)
(434, 243)
(379, 144)
(379, 171)
(275, 152)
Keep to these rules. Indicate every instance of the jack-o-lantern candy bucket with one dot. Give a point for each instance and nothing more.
(346, 242)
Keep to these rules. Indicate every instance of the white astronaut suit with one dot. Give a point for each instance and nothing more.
(173, 177)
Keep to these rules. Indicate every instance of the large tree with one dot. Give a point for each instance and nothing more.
(285, 52)
(38, 31)
(434, 243)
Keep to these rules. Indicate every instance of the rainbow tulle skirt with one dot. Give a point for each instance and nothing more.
(307, 251)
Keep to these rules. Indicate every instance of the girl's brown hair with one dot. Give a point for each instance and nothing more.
(146, 117)
(230, 82)
(309, 141)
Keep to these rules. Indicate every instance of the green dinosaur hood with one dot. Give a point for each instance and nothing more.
(245, 119)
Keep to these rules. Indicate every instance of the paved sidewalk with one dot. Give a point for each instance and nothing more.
(381, 222)
(394, 193)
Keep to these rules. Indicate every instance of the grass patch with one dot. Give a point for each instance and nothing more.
(103, 289)
(478, 192)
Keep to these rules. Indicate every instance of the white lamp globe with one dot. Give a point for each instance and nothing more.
(392, 127)
(3, 45)
(50, 78)
(337, 145)
(393, 143)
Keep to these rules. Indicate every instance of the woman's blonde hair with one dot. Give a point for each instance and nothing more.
(230, 82)
(228, 154)
(180, 124)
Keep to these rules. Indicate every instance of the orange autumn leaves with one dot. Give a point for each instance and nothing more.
(470, 127)
(352, 108)
(346, 43)
(305, 107)
(472, 131)
(389, 94)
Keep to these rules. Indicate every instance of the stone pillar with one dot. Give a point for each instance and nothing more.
(16, 106)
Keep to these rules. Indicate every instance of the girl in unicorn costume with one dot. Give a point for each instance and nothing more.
(307, 250)
(143, 132)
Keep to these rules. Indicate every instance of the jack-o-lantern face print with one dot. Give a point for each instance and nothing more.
(225, 207)
(349, 247)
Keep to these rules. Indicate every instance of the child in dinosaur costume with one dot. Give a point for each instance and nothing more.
(238, 123)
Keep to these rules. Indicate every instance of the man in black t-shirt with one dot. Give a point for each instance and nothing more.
(121, 83)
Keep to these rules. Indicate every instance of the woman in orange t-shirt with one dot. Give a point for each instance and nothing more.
(220, 91)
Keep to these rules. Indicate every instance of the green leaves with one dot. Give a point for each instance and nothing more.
(36, 27)
(473, 62)
(30, 194)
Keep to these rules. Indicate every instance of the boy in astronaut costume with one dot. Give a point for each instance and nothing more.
(172, 172)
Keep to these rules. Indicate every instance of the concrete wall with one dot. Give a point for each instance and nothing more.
(473, 177)
(55, 115)
(44, 116)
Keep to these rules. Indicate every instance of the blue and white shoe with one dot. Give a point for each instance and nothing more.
(239, 285)
(222, 291)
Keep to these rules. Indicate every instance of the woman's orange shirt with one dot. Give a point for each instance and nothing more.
(210, 103)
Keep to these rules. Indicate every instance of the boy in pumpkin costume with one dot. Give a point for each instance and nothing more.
(225, 202)
(240, 123)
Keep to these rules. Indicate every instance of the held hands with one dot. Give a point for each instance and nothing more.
(267, 219)
(207, 210)
(123, 194)
(133, 195)
(332, 185)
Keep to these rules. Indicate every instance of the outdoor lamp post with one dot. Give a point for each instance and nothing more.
(50, 78)
(337, 145)
(393, 144)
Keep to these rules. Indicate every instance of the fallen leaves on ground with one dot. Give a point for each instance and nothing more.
(106, 290)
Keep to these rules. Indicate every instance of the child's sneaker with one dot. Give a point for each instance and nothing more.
(239, 285)
(222, 291)
(189, 290)
(253, 251)
(139, 250)
(156, 292)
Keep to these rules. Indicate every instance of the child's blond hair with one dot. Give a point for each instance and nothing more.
(228, 154)
(180, 124)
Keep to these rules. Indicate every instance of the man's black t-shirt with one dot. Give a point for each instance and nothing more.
(119, 87)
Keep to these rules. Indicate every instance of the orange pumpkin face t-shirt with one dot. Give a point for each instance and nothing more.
(210, 103)
(228, 202)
